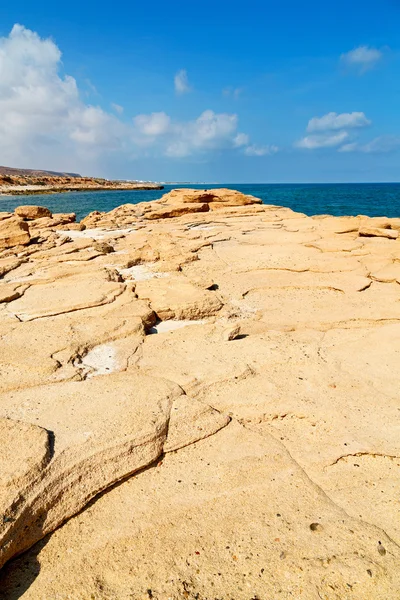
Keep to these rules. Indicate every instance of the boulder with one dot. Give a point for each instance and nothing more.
(31, 212)
(103, 247)
(13, 232)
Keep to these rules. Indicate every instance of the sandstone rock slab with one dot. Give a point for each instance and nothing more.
(243, 519)
(31, 212)
(70, 294)
(13, 232)
(378, 232)
(103, 430)
(177, 298)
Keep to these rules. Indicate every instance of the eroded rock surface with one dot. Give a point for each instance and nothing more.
(235, 365)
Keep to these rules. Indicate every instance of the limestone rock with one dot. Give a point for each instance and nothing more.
(30, 212)
(223, 195)
(178, 299)
(231, 333)
(13, 232)
(378, 232)
(56, 221)
(243, 519)
(191, 421)
(100, 436)
(270, 464)
(11, 291)
(68, 295)
(176, 210)
(9, 264)
(103, 247)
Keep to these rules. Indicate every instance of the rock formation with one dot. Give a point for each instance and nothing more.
(26, 182)
(233, 366)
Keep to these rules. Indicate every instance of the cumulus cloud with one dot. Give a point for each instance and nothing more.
(153, 125)
(379, 145)
(46, 123)
(242, 139)
(42, 114)
(254, 150)
(311, 142)
(334, 121)
(332, 130)
(181, 82)
(363, 58)
(209, 131)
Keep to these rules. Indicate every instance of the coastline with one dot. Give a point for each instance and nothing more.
(32, 189)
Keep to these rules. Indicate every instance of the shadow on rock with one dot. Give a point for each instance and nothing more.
(18, 574)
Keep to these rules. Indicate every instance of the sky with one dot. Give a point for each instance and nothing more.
(217, 91)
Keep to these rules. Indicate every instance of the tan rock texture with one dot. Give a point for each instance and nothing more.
(13, 232)
(200, 404)
(30, 212)
(26, 182)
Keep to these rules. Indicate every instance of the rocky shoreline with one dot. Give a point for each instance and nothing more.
(235, 366)
(19, 182)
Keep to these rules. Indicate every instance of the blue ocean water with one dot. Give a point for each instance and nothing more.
(372, 199)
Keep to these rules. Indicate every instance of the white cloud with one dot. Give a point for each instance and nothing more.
(313, 142)
(363, 58)
(242, 139)
(210, 131)
(45, 123)
(117, 108)
(155, 124)
(335, 121)
(181, 82)
(332, 130)
(380, 145)
(43, 119)
(254, 150)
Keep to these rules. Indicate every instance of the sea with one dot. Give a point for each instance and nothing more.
(372, 199)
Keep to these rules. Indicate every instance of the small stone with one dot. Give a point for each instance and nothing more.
(103, 247)
(231, 333)
(381, 549)
(316, 527)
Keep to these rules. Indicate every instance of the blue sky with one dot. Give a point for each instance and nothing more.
(217, 92)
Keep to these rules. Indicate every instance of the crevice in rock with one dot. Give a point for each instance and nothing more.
(319, 488)
(357, 454)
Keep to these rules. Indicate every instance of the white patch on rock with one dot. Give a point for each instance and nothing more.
(202, 227)
(101, 360)
(95, 234)
(166, 326)
(141, 273)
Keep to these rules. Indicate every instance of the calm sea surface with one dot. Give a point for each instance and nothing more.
(373, 199)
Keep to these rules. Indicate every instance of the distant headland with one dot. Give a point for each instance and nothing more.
(25, 182)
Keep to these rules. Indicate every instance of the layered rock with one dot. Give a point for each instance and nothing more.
(31, 212)
(13, 232)
(236, 370)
